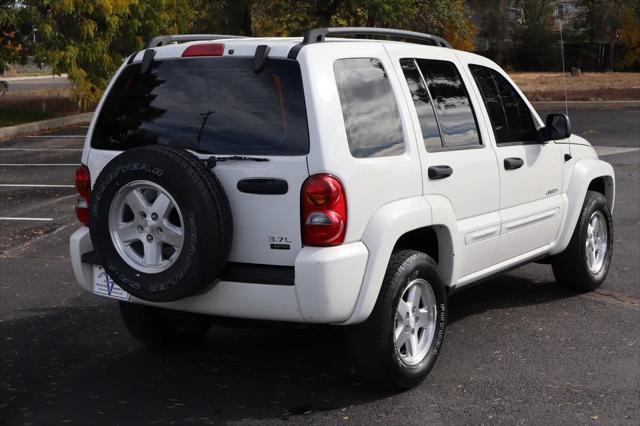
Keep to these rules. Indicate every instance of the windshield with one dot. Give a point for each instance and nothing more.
(211, 105)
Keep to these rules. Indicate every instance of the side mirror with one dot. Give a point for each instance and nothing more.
(558, 127)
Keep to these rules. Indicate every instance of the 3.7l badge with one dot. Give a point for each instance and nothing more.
(279, 243)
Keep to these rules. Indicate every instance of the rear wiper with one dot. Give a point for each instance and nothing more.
(211, 161)
(241, 158)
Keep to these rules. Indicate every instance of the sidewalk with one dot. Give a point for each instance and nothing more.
(586, 104)
(44, 125)
(33, 77)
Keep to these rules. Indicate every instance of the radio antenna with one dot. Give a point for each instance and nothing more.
(564, 79)
(564, 72)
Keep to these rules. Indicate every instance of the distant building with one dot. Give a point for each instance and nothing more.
(564, 11)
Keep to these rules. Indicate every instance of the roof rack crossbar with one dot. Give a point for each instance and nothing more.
(183, 38)
(318, 35)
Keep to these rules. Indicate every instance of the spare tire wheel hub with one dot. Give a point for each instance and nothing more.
(146, 226)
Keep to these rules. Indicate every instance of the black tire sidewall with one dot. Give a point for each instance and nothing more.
(200, 259)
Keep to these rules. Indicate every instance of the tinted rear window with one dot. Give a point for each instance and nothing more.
(369, 108)
(212, 105)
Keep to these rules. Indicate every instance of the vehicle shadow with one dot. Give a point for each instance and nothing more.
(503, 292)
(79, 363)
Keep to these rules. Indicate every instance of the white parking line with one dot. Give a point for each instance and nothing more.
(612, 150)
(56, 136)
(40, 149)
(39, 164)
(33, 185)
(39, 219)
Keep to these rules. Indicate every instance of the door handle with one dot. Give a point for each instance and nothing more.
(513, 163)
(263, 186)
(439, 172)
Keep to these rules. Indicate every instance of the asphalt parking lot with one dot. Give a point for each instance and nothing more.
(519, 349)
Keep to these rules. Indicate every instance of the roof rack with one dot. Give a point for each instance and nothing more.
(183, 38)
(318, 35)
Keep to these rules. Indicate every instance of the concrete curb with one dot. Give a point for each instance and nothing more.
(586, 104)
(44, 125)
(33, 77)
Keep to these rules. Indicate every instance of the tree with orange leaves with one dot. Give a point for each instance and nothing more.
(630, 36)
(11, 48)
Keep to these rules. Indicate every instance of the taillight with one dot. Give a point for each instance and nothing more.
(324, 211)
(208, 49)
(83, 186)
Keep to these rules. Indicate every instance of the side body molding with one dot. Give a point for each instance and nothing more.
(576, 184)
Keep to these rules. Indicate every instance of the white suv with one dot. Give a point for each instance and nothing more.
(348, 181)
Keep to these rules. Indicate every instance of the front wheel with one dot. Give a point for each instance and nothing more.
(397, 346)
(584, 264)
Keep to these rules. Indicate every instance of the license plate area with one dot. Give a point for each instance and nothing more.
(104, 285)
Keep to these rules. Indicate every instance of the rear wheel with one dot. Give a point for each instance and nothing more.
(584, 264)
(397, 346)
(164, 328)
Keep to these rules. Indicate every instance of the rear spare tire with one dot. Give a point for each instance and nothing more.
(161, 223)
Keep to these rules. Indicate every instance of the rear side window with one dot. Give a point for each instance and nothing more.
(453, 107)
(422, 102)
(510, 117)
(211, 105)
(369, 108)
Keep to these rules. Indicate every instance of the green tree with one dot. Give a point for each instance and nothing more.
(14, 30)
(630, 36)
(89, 39)
(225, 16)
(535, 38)
(451, 19)
(292, 18)
(496, 28)
(601, 21)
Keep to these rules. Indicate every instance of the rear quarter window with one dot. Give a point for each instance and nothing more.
(210, 105)
(369, 108)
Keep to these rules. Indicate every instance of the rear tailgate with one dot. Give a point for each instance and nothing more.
(218, 106)
(266, 227)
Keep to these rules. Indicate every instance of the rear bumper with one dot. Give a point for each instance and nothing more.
(325, 289)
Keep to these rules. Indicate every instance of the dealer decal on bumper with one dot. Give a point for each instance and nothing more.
(104, 285)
